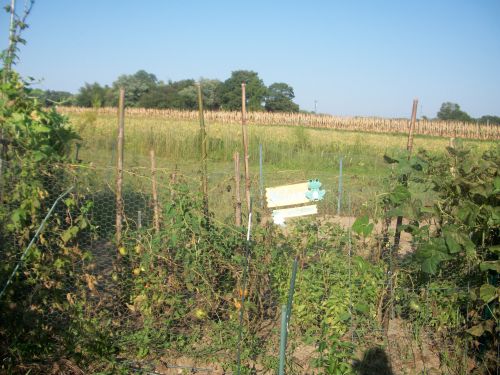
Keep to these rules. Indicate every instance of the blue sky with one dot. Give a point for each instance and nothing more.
(354, 57)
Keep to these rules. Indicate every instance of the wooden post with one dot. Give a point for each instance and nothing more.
(119, 167)
(409, 145)
(203, 136)
(156, 207)
(237, 217)
(245, 144)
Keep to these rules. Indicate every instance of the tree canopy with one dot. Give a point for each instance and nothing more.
(144, 90)
(135, 86)
(230, 91)
(452, 111)
(280, 98)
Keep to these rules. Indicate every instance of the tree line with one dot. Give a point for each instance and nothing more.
(144, 90)
(453, 112)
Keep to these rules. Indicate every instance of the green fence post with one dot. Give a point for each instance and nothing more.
(283, 337)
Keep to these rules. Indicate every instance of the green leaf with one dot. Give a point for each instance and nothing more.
(344, 316)
(39, 156)
(476, 331)
(399, 195)
(362, 308)
(451, 238)
(69, 233)
(431, 254)
(493, 265)
(456, 239)
(390, 160)
(494, 249)
(488, 293)
(17, 216)
(59, 263)
(362, 226)
(39, 128)
(496, 184)
(467, 213)
(494, 220)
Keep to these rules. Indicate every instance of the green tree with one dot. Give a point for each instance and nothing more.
(489, 119)
(135, 86)
(452, 111)
(209, 89)
(168, 96)
(229, 92)
(280, 98)
(93, 95)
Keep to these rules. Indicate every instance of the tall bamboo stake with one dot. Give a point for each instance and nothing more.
(203, 135)
(119, 167)
(237, 214)
(156, 207)
(245, 143)
(409, 145)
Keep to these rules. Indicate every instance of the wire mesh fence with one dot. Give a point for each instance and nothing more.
(141, 301)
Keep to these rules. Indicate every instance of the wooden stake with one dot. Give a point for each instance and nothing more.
(119, 167)
(409, 145)
(203, 135)
(409, 148)
(245, 143)
(156, 207)
(237, 216)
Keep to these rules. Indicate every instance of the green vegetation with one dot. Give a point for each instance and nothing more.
(81, 303)
(176, 293)
(452, 112)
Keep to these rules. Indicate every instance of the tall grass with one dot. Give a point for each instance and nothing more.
(291, 154)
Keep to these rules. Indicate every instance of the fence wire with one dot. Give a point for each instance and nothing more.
(75, 288)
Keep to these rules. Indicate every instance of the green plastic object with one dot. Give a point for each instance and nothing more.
(314, 191)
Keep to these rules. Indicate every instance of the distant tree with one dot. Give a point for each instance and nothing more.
(135, 86)
(452, 111)
(92, 95)
(229, 92)
(156, 97)
(209, 88)
(489, 119)
(168, 96)
(279, 98)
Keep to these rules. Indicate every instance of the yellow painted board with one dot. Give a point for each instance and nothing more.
(286, 195)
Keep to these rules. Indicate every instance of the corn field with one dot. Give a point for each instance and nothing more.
(455, 129)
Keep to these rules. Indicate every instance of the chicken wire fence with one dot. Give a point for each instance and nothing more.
(70, 289)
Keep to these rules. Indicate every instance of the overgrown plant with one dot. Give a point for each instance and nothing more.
(454, 269)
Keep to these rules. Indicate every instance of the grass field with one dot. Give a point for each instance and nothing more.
(290, 154)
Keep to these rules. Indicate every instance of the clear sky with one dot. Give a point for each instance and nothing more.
(353, 57)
